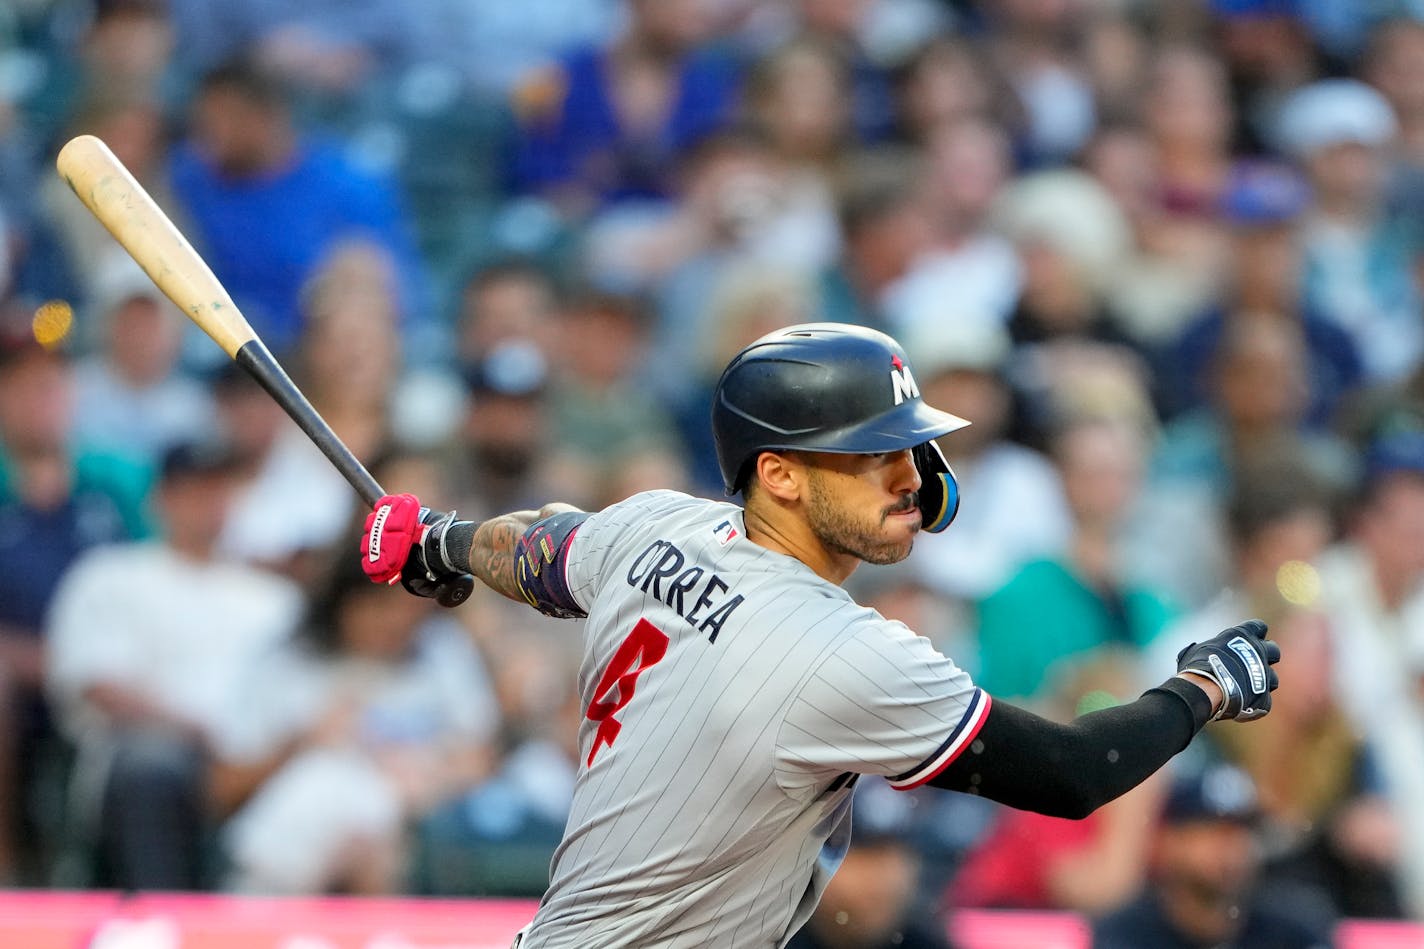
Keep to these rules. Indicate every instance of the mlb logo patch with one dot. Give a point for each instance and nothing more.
(725, 532)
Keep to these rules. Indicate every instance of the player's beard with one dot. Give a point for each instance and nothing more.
(839, 529)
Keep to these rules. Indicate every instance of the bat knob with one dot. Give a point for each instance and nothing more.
(455, 591)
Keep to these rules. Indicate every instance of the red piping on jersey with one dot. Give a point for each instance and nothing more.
(954, 747)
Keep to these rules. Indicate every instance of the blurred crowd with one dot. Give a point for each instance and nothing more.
(1167, 255)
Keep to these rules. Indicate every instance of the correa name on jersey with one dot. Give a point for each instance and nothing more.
(662, 571)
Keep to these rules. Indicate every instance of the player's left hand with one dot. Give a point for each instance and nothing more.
(1239, 661)
(393, 529)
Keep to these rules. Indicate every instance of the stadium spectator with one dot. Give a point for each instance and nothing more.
(147, 647)
(1372, 591)
(1205, 867)
(59, 497)
(1263, 205)
(130, 396)
(1269, 53)
(505, 300)
(1259, 396)
(1055, 610)
(1013, 508)
(872, 36)
(1278, 520)
(1359, 260)
(1070, 238)
(1176, 165)
(945, 81)
(737, 207)
(293, 505)
(320, 47)
(503, 454)
(1392, 65)
(967, 165)
(606, 124)
(350, 329)
(268, 204)
(886, 226)
(605, 421)
(1333, 834)
(375, 713)
(133, 128)
(1035, 46)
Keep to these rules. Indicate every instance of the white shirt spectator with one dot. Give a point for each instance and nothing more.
(110, 413)
(297, 502)
(294, 830)
(181, 632)
(1012, 511)
(1379, 664)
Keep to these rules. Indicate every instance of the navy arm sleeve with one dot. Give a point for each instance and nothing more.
(1070, 770)
(541, 564)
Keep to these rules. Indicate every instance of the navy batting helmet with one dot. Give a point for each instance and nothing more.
(831, 387)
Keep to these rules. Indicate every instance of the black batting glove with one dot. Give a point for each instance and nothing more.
(431, 570)
(1239, 661)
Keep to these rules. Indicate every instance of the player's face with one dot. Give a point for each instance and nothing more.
(864, 506)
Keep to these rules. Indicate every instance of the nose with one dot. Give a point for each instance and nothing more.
(906, 474)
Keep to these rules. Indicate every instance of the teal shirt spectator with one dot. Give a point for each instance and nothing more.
(1047, 614)
(106, 504)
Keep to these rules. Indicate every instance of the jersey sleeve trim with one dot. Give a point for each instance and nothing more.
(945, 754)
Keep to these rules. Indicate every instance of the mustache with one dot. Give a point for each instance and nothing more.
(907, 503)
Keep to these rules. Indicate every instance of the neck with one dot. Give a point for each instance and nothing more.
(642, 48)
(769, 526)
(1345, 210)
(1394, 585)
(43, 476)
(1093, 551)
(194, 549)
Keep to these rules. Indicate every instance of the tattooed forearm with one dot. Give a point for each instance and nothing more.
(492, 552)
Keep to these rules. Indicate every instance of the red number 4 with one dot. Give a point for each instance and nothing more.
(645, 646)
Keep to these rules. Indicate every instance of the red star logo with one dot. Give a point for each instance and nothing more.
(896, 361)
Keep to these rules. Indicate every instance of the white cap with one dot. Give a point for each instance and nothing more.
(1333, 112)
(1071, 212)
(117, 280)
(968, 342)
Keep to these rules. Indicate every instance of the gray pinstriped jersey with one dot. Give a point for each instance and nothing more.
(731, 696)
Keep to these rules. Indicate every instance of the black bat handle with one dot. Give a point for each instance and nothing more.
(259, 363)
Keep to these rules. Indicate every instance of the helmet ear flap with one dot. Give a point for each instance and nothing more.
(939, 491)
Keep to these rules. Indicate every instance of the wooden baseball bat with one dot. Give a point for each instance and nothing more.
(140, 226)
(105, 186)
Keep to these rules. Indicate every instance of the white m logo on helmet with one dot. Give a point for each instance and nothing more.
(903, 383)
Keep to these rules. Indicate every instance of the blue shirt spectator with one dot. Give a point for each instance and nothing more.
(267, 205)
(594, 124)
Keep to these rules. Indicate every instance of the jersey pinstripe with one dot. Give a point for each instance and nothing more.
(731, 698)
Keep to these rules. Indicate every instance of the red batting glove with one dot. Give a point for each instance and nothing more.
(392, 528)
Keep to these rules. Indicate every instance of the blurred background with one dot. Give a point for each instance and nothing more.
(1167, 256)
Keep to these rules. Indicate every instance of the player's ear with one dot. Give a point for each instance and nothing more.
(782, 476)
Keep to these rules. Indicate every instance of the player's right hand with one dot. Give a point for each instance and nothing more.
(403, 541)
(1239, 661)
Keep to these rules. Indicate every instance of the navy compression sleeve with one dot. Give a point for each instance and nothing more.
(1071, 770)
(541, 564)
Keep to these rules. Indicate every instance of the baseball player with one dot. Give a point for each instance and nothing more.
(733, 691)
